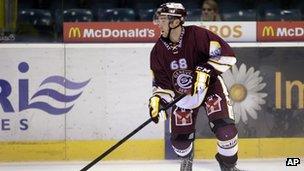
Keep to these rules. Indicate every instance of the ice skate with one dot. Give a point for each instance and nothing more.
(226, 166)
(186, 163)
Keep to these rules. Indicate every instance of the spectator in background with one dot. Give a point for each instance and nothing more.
(210, 11)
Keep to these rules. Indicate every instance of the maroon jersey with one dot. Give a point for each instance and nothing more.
(173, 65)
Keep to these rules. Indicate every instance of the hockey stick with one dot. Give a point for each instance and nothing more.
(129, 136)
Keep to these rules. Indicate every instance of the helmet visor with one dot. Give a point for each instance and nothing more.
(159, 19)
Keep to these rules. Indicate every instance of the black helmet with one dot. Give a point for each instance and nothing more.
(176, 10)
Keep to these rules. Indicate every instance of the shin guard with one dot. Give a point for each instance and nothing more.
(227, 145)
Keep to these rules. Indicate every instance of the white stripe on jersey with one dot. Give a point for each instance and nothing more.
(223, 64)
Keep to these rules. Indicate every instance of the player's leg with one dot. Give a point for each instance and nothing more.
(221, 120)
(183, 135)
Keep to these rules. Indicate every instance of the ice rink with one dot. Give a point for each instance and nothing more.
(168, 165)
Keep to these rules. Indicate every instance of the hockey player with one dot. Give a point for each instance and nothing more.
(189, 60)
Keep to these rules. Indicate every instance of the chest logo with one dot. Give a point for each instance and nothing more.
(182, 80)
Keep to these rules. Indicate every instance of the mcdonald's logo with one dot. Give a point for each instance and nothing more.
(268, 31)
(74, 32)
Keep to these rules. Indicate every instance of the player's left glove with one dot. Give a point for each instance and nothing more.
(201, 80)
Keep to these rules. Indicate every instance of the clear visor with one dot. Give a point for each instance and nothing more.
(162, 19)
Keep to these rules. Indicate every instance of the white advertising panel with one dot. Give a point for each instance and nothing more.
(230, 31)
(115, 101)
(27, 111)
(81, 92)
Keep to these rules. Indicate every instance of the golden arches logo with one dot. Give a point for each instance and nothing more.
(74, 32)
(268, 31)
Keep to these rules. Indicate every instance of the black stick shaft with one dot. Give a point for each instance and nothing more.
(128, 136)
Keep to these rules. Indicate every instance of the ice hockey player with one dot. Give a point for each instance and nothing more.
(189, 60)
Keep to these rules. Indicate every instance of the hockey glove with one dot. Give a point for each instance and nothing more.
(201, 80)
(154, 107)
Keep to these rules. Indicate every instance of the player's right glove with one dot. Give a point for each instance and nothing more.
(154, 107)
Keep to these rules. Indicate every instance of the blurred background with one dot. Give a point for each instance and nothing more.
(42, 20)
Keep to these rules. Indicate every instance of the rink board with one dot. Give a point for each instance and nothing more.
(111, 105)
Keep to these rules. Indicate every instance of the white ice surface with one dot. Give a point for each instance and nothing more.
(166, 165)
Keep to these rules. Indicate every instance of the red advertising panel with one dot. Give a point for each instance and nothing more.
(110, 32)
(280, 31)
